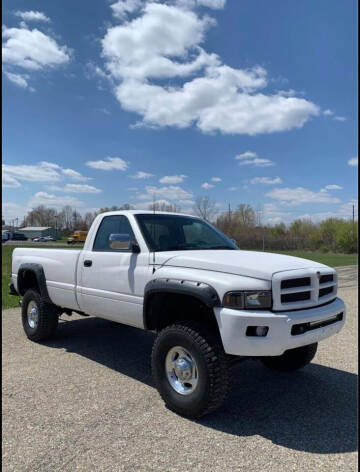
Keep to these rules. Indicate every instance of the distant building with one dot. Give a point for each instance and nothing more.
(38, 231)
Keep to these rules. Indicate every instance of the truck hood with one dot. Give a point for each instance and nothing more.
(260, 265)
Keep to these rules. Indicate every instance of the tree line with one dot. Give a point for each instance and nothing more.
(242, 224)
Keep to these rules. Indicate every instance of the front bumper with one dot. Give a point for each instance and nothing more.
(233, 325)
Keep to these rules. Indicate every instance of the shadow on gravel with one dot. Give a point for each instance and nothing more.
(313, 410)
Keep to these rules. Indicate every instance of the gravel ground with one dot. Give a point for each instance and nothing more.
(86, 402)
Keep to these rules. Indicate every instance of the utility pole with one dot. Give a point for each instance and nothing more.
(263, 248)
(353, 213)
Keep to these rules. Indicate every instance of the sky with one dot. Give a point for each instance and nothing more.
(125, 101)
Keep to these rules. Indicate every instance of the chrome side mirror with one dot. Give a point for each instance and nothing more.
(123, 242)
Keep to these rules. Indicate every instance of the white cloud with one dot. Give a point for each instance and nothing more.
(300, 195)
(266, 180)
(215, 4)
(32, 16)
(74, 175)
(172, 179)
(32, 49)
(32, 173)
(216, 179)
(109, 163)
(164, 42)
(12, 210)
(171, 192)
(142, 175)
(340, 118)
(54, 201)
(273, 215)
(332, 187)
(122, 8)
(9, 181)
(343, 211)
(21, 80)
(233, 189)
(206, 185)
(75, 188)
(42, 172)
(250, 158)
(353, 162)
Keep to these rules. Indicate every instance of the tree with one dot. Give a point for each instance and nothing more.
(164, 206)
(205, 208)
(245, 215)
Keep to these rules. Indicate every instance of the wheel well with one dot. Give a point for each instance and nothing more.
(27, 280)
(164, 309)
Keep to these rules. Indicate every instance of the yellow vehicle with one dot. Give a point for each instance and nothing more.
(77, 237)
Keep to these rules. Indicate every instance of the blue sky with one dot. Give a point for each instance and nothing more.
(246, 101)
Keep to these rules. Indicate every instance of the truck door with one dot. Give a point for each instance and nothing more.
(112, 281)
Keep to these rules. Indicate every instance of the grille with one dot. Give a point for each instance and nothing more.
(295, 297)
(300, 282)
(325, 291)
(326, 278)
(300, 289)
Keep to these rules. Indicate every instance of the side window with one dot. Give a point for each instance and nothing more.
(117, 224)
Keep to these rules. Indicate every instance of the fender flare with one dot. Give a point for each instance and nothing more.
(200, 290)
(38, 270)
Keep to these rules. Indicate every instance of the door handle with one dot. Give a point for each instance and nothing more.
(87, 263)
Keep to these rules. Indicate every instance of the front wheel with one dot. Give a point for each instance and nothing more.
(190, 369)
(39, 317)
(292, 359)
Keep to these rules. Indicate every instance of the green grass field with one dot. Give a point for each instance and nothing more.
(330, 259)
(9, 301)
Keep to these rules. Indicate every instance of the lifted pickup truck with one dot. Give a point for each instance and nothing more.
(210, 302)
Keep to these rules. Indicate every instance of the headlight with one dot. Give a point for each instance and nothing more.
(250, 300)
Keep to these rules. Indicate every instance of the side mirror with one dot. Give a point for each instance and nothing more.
(123, 242)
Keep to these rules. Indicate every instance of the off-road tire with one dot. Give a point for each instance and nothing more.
(292, 359)
(213, 368)
(48, 317)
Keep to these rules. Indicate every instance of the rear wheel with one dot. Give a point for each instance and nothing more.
(292, 359)
(39, 317)
(190, 369)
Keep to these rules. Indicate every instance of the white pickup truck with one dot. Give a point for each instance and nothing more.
(210, 302)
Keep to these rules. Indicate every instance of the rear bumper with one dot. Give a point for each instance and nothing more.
(233, 325)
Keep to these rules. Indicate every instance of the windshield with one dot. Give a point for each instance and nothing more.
(176, 232)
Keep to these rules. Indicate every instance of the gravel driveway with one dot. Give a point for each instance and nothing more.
(86, 402)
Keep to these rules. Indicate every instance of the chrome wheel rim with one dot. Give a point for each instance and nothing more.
(32, 314)
(181, 370)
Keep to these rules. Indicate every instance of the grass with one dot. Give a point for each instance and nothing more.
(331, 259)
(9, 301)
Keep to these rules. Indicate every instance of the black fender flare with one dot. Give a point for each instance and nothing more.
(200, 290)
(39, 273)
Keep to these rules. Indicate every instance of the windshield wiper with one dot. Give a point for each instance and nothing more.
(178, 247)
(221, 247)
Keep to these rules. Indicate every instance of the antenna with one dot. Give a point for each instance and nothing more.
(153, 227)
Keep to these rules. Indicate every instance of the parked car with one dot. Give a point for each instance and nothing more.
(40, 239)
(18, 237)
(210, 302)
(49, 238)
(4, 236)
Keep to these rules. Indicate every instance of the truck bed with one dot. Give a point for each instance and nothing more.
(60, 267)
